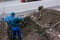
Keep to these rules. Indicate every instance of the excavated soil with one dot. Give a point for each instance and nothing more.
(44, 25)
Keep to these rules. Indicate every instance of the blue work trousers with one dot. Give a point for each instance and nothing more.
(14, 31)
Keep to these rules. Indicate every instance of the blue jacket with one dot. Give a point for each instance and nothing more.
(12, 21)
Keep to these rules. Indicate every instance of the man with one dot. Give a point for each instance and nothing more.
(12, 22)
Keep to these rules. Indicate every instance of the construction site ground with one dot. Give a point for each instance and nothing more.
(42, 25)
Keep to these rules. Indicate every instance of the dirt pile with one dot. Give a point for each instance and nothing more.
(45, 24)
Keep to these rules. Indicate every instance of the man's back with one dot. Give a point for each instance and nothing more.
(13, 21)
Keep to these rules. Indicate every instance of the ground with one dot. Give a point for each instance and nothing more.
(37, 26)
